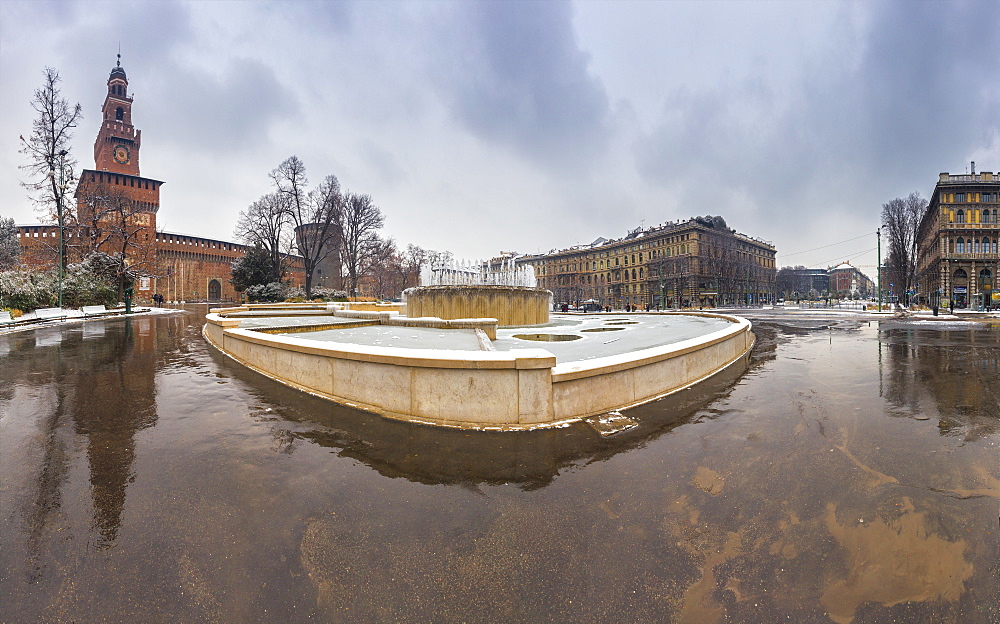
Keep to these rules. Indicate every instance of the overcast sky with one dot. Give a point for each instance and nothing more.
(481, 127)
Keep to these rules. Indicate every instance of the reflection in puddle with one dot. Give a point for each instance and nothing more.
(622, 323)
(602, 329)
(548, 337)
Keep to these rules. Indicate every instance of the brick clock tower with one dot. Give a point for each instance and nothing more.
(114, 202)
(117, 145)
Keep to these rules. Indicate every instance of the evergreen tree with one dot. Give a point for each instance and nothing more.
(256, 267)
(10, 246)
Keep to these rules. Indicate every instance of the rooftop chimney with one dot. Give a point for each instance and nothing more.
(973, 167)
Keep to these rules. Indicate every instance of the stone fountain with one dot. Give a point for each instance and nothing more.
(445, 363)
(503, 291)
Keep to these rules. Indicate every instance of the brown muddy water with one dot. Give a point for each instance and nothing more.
(846, 474)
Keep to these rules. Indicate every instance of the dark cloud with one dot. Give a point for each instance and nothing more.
(899, 95)
(383, 163)
(555, 122)
(514, 74)
(728, 132)
(927, 90)
(332, 18)
(224, 109)
(147, 33)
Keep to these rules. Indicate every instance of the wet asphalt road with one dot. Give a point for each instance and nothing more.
(849, 473)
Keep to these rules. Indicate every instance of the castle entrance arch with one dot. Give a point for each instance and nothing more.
(214, 290)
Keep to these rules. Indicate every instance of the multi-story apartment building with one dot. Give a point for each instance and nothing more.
(697, 262)
(848, 282)
(957, 257)
(802, 283)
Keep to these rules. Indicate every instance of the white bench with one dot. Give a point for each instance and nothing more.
(96, 310)
(5, 318)
(50, 314)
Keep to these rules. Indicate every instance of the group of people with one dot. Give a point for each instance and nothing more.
(564, 307)
(157, 299)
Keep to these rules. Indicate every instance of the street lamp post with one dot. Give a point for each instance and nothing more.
(663, 292)
(878, 269)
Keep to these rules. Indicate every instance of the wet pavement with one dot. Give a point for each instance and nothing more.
(849, 473)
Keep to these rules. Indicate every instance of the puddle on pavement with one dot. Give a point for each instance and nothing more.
(803, 485)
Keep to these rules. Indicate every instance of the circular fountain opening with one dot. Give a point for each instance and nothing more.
(602, 329)
(547, 337)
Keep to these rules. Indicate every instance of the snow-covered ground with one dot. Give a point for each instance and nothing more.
(27, 321)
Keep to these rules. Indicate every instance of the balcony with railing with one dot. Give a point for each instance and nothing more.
(971, 226)
(991, 256)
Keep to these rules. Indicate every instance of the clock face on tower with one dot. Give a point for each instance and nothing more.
(121, 154)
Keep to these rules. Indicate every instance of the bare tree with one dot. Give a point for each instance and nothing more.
(413, 259)
(900, 222)
(50, 164)
(388, 271)
(114, 224)
(265, 224)
(361, 245)
(315, 215)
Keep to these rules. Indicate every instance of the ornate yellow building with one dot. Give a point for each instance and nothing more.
(698, 262)
(957, 257)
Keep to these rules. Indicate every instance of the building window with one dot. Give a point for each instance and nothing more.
(119, 114)
(960, 245)
(960, 198)
(960, 216)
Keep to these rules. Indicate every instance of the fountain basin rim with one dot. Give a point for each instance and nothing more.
(496, 390)
(528, 357)
(399, 356)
